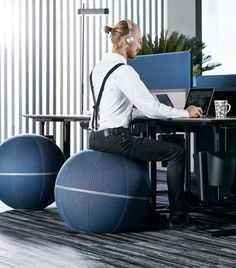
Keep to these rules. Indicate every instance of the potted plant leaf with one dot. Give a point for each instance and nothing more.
(176, 42)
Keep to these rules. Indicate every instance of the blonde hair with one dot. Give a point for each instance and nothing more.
(121, 29)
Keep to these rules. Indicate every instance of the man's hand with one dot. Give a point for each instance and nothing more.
(194, 111)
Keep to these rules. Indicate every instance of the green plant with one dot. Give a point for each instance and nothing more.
(179, 42)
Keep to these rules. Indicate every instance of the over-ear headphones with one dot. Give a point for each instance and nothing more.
(129, 38)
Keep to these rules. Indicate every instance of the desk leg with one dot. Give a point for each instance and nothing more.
(153, 171)
(153, 183)
(82, 139)
(216, 133)
(66, 139)
(41, 127)
(188, 166)
(188, 160)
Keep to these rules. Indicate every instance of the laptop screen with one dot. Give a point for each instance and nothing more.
(200, 97)
(164, 99)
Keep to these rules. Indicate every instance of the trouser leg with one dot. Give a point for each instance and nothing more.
(145, 149)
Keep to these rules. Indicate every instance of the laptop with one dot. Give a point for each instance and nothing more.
(164, 99)
(201, 97)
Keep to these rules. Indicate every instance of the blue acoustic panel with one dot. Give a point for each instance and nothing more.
(217, 81)
(165, 71)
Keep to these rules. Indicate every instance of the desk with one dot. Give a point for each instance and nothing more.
(186, 125)
(65, 119)
(153, 126)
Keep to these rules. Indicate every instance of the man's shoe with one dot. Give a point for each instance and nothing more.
(184, 222)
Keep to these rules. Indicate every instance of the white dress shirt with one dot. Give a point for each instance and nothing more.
(123, 89)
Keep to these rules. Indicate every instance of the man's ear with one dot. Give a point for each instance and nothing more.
(122, 43)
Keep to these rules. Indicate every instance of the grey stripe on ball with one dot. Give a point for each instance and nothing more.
(27, 174)
(101, 193)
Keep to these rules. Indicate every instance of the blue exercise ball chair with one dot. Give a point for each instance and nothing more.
(29, 165)
(99, 192)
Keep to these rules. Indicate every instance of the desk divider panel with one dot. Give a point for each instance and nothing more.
(165, 71)
(217, 81)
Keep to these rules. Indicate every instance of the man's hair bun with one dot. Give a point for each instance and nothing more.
(108, 29)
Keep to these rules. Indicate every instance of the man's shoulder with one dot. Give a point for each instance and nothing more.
(127, 70)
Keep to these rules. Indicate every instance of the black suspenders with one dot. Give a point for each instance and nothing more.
(97, 103)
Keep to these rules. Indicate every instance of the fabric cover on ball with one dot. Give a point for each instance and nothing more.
(102, 193)
(29, 165)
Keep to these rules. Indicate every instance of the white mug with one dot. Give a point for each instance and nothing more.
(222, 107)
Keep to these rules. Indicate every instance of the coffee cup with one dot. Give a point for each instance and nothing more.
(222, 107)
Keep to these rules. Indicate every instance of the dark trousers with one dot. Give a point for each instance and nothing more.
(122, 142)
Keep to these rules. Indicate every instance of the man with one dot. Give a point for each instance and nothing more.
(123, 90)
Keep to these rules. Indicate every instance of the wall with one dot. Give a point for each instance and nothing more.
(181, 16)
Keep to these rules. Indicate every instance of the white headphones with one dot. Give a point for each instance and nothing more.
(129, 38)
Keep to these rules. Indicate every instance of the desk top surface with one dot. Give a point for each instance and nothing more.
(191, 119)
(178, 120)
(42, 117)
(202, 120)
(208, 118)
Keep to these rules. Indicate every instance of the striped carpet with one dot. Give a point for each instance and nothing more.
(41, 239)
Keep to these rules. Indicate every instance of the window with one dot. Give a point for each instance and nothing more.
(219, 34)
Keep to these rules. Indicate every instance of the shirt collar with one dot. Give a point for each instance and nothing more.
(115, 56)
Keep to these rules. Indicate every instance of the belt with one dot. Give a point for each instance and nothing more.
(112, 131)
